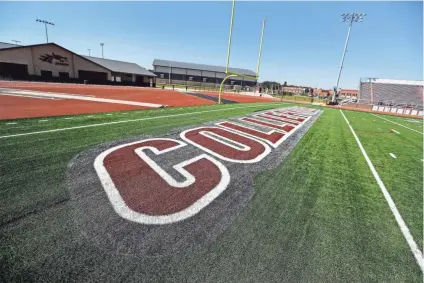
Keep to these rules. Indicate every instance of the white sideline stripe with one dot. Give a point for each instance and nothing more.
(127, 121)
(398, 124)
(28, 96)
(392, 155)
(396, 132)
(80, 97)
(11, 123)
(405, 231)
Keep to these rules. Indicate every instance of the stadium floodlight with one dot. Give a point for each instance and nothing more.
(89, 55)
(45, 25)
(102, 44)
(16, 41)
(371, 91)
(350, 18)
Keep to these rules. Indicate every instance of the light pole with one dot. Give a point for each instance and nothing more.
(371, 92)
(102, 44)
(347, 18)
(45, 25)
(89, 55)
(16, 41)
(169, 75)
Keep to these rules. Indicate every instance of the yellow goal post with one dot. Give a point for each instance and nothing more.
(232, 74)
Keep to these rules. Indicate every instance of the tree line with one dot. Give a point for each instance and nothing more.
(277, 85)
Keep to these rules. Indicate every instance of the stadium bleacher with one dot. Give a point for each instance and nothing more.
(392, 93)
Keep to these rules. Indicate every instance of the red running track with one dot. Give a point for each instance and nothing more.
(14, 107)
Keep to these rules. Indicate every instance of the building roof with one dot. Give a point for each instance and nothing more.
(4, 45)
(51, 43)
(120, 66)
(392, 81)
(194, 66)
(112, 65)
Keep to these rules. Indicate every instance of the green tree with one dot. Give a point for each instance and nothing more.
(270, 84)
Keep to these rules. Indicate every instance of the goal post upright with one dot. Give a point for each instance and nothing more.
(230, 37)
(260, 48)
(231, 74)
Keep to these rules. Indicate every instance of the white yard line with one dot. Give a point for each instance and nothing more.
(28, 96)
(405, 230)
(125, 121)
(67, 118)
(11, 123)
(398, 124)
(392, 155)
(42, 120)
(396, 132)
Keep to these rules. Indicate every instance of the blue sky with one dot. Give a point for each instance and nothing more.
(303, 41)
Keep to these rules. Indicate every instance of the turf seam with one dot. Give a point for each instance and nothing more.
(34, 211)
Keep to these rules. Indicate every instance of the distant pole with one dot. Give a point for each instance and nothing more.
(45, 25)
(169, 75)
(350, 17)
(16, 41)
(372, 94)
(102, 44)
(89, 52)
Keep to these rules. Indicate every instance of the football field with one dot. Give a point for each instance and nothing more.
(312, 210)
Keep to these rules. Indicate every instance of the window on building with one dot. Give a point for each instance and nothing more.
(232, 82)
(162, 76)
(204, 79)
(190, 78)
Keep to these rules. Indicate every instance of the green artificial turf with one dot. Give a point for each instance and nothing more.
(32, 168)
(403, 175)
(318, 217)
